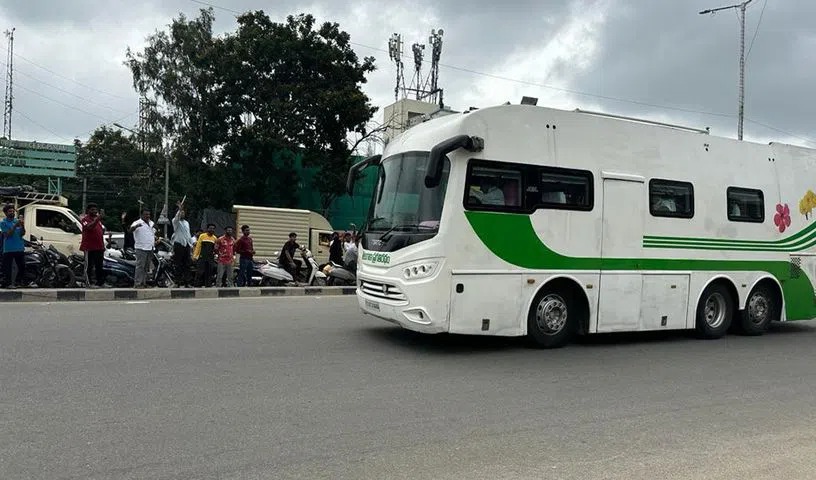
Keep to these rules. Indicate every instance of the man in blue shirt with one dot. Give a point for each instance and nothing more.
(13, 231)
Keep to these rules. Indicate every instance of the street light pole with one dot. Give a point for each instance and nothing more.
(166, 187)
(741, 112)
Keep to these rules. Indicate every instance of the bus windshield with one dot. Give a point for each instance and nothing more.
(401, 201)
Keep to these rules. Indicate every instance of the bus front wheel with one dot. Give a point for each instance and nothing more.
(554, 318)
(715, 312)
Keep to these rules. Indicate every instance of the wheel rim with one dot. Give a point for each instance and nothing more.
(715, 310)
(551, 314)
(758, 308)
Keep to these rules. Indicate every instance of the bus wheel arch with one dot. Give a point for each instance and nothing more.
(763, 305)
(717, 307)
(560, 304)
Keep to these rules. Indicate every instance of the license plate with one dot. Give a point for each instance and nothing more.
(372, 305)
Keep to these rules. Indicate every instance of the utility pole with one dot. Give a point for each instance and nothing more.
(8, 104)
(84, 193)
(166, 186)
(741, 7)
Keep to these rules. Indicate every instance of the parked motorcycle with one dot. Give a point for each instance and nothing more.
(43, 266)
(120, 272)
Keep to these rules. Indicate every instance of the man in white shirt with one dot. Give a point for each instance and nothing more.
(145, 240)
(350, 258)
(182, 246)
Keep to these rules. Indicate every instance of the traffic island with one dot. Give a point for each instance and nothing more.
(131, 294)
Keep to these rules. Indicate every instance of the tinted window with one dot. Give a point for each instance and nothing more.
(494, 187)
(669, 198)
(564, 189)
(745, 205)
(515, 187)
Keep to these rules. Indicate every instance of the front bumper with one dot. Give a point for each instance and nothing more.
(414, 307)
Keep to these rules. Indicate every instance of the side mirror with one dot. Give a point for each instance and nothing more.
(434, 173)
(357, 168)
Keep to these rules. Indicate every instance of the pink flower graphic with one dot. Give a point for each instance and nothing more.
(782, 218)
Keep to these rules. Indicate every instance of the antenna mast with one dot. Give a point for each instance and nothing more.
(423, 88)
(435, 40)
(395, 52)
(8, 104)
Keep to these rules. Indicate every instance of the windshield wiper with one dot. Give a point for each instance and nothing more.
(405, 227)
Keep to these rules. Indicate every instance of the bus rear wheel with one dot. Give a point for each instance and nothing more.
(554, 318)
(715, 312)
(760, 311)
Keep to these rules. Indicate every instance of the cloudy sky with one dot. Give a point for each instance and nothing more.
(652, 58)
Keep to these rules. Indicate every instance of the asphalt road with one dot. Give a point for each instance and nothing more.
(308, 388)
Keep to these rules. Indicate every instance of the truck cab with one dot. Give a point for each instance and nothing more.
(46, 216)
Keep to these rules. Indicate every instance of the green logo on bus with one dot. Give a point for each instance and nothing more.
(375, 257)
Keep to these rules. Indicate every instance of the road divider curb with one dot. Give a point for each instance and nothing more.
(118, 294)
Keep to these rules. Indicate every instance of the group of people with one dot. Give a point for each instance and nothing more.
(208, 252)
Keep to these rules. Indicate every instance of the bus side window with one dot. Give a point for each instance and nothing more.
(745, 205)
(493, 186)
(669, 198)
(561, 188)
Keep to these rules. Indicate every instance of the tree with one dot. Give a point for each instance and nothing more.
(242, 104)
(119, 173)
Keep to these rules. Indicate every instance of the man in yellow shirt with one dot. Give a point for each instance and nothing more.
(204, 256)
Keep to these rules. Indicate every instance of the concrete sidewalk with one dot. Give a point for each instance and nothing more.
(113, 294)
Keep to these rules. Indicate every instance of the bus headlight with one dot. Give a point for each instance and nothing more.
(420, 270)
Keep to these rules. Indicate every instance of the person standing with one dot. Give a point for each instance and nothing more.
(182, 246)
(336, 249)
(246, 252)
(13, 230)
(287, 258)
(144, 238)
(203, 254)
(93, 245)
(225, 248)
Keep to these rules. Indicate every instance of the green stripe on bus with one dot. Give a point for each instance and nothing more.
(512, 238)
(806, 234)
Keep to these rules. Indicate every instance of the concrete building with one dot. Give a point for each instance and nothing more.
(406, 113)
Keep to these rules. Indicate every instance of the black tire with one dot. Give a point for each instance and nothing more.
(760, 310)
(65, 277)
(554, 317)
(715, 312)
(165, 280)
(330, 281)
(47, 279)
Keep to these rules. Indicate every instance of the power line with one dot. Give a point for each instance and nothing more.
(67, 92)
(805, 139)
(44, 128)
(217, 6)
(52, 72)
(63, 104)
(757, 29)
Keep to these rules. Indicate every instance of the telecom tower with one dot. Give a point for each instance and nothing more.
(395, 52)
(8, 104)
(422, 88)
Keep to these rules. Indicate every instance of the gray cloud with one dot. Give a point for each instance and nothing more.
(660, 53)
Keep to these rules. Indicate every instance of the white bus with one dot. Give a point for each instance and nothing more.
(522, 220)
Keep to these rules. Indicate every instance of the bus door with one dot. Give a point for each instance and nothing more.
(624, 204)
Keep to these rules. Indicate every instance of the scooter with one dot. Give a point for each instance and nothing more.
(274, 275)
(340, 275)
